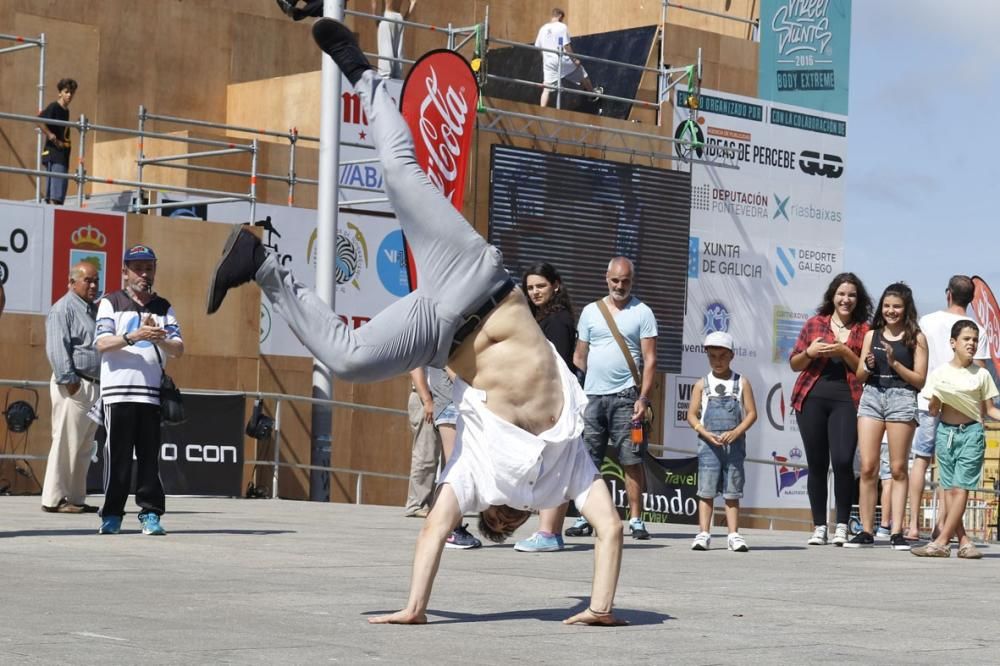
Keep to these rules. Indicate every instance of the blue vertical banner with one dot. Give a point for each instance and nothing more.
(805, 53)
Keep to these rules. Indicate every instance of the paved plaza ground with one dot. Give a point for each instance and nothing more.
(282, 582)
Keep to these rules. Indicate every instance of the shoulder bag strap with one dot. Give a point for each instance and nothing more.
(621, 342)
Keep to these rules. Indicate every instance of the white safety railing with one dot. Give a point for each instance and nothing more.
(982, 510)
(275, 462)
(81, 177)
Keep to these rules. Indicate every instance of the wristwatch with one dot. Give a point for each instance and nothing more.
(128, 341)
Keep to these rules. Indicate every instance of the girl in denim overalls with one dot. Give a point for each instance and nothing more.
(722, 409)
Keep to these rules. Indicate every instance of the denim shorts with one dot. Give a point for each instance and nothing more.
(607, 421)
(447, 416)
(960, 452)
(720, 469)
(925, 436)
(888, 404)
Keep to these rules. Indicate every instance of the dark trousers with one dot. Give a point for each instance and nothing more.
(132, 427)
(829, 430)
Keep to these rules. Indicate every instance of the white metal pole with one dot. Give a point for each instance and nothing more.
(277, 450)
(253, 181)
(41, 105)
(326, 235)
(80, 169)
(661, 75)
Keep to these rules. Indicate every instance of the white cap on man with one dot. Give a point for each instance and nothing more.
(719, 339)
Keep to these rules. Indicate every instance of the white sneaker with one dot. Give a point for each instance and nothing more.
(819, 536)
(702, 541)
(737, 544)
(840, 536)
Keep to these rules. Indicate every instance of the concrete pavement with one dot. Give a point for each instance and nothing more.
(282, 582)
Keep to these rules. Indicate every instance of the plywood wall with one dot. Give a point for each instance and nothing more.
(244, 63)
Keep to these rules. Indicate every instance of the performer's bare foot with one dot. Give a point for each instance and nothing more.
(400, 617)
(591, 618)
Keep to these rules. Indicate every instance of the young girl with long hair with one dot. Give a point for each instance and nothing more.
(893, 366)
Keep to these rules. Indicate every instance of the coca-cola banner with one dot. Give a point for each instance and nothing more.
(439, 104)
(984, 304)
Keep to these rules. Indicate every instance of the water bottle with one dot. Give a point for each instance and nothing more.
(637, 434)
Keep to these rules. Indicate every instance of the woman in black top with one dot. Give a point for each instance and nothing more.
(550, 303)
(893, 365)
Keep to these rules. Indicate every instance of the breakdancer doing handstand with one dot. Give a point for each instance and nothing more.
(519, 443)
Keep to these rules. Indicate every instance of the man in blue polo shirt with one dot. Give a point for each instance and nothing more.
(614, 398)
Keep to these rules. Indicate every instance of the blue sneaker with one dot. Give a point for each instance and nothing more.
(638, 529)
(581, 528)
(882, 533)
(461, 539)
(540, 543)
(111, 525)
(151, 524)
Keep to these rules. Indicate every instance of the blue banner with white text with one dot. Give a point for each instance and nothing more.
(805, 53)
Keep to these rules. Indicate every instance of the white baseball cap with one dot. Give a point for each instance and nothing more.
(719, 339)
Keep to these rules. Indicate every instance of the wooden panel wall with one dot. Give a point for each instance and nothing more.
(245, 63)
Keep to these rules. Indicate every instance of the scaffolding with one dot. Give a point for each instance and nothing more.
(24, 43)
(475, 41)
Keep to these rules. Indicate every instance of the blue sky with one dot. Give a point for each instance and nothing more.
(922, 178)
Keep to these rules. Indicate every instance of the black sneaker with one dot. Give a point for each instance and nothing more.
(242, 255)
(861, 540)
(337, 41)
(581, 528)
(897, 542)
(461, 539)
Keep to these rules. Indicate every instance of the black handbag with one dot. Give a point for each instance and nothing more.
(171, 400)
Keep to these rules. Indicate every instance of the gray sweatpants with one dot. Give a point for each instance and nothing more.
(457, 269)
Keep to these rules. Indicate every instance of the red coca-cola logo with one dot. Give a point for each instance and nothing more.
(439, 99)
(988, 314)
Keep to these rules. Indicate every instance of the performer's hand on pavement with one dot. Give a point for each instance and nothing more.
(588, 617)
(400, 617)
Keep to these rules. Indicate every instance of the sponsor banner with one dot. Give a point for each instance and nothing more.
(98, 238)
(25, 234)
(984, 304)
(805, 53)
(357, 146)
(370, 265)
(671, 490)
(787, 325)
(681, 388)
(804, 263)
(439, 104)
(765, 240)
(714, 257)
(203, 456)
